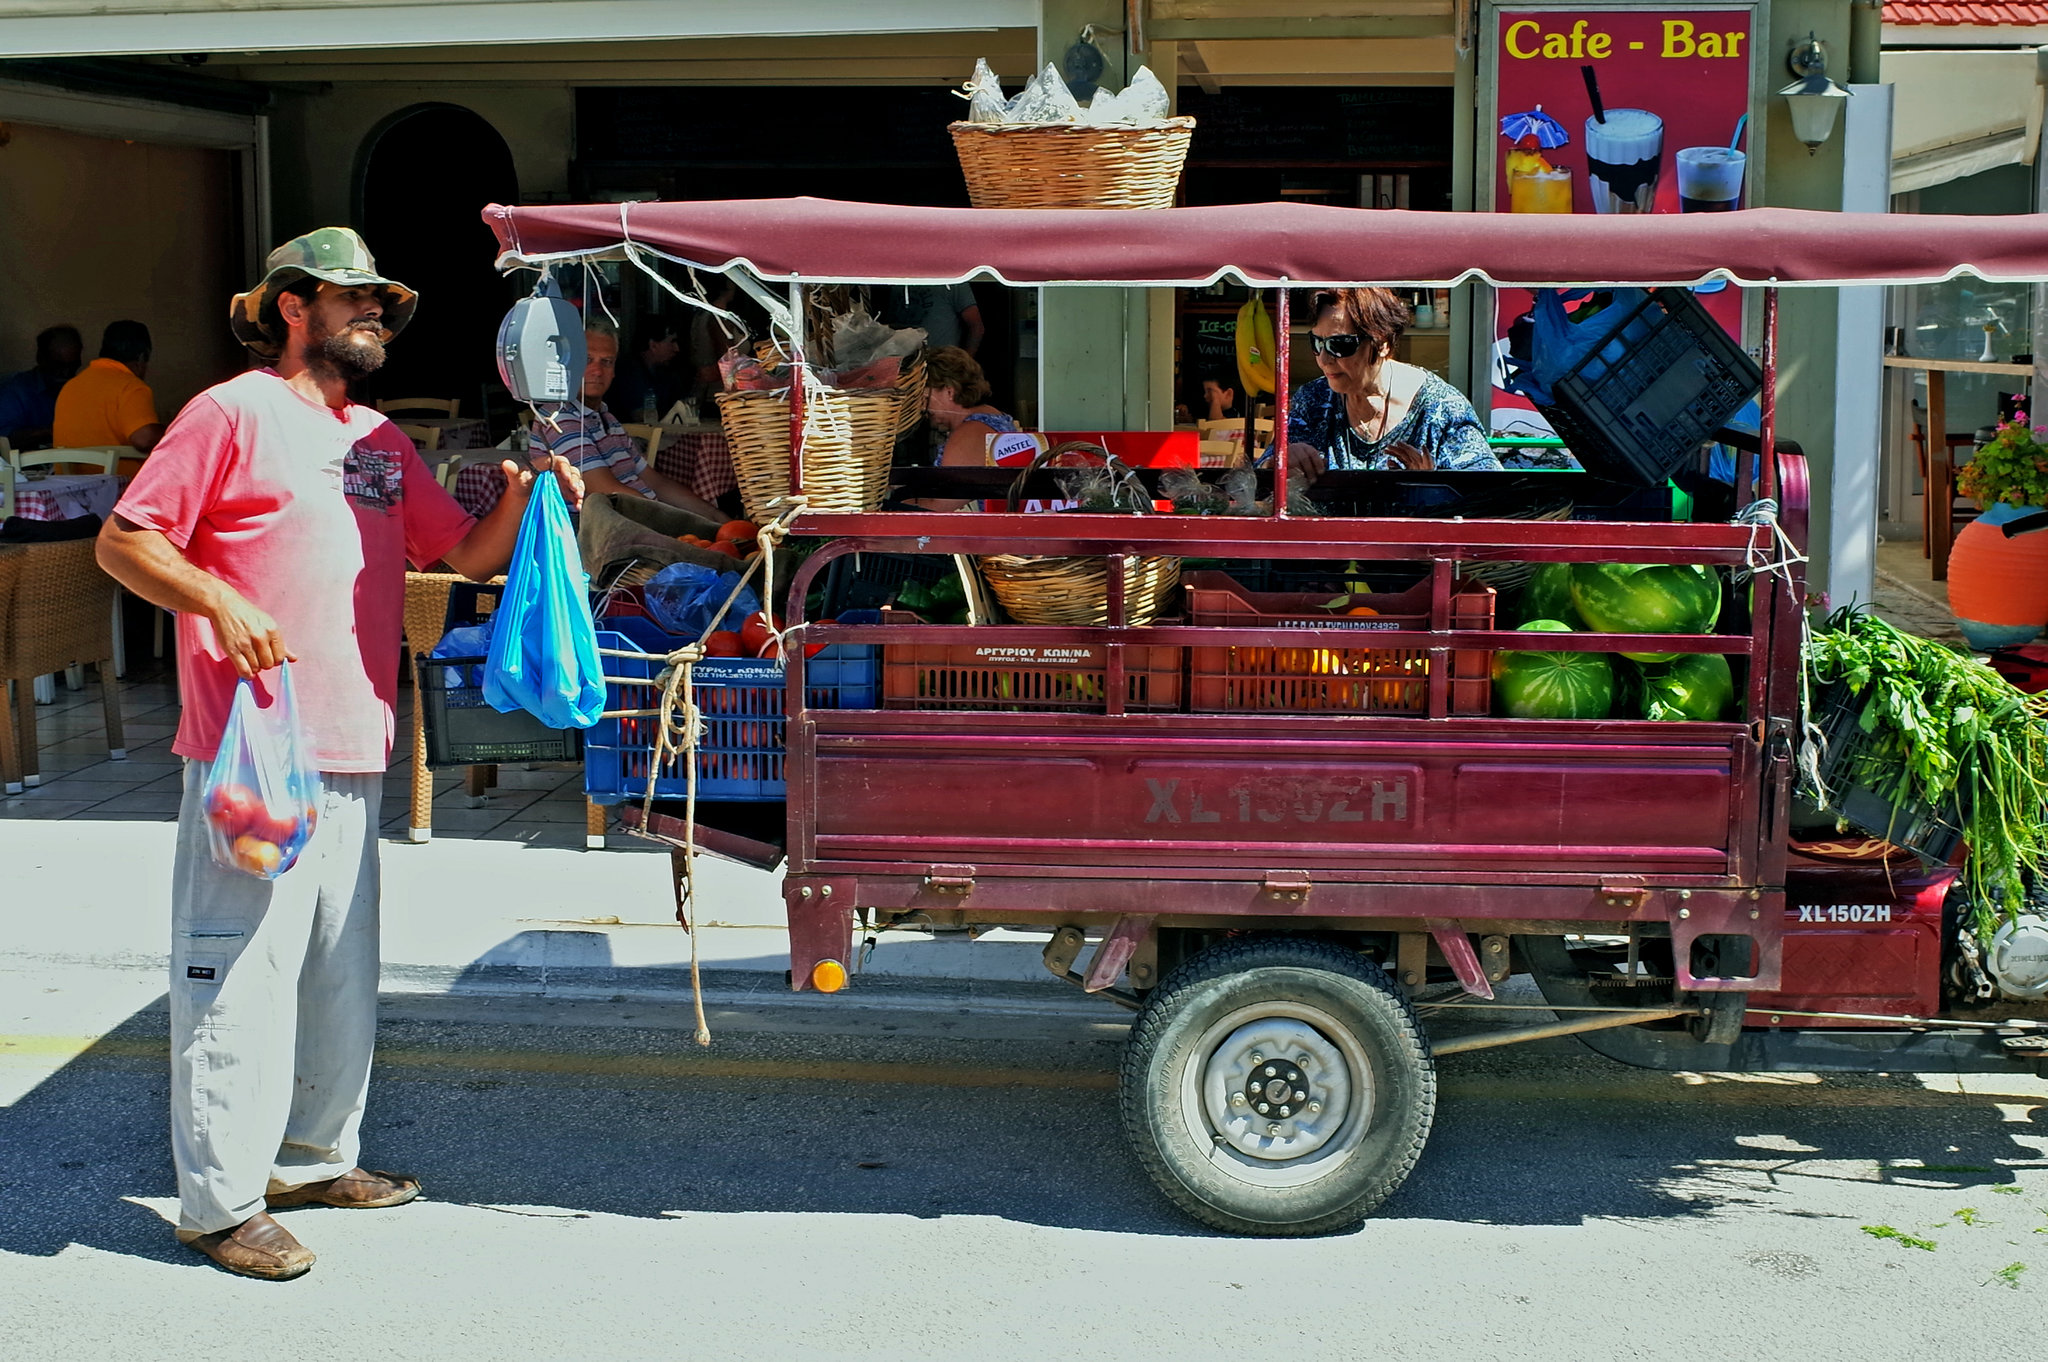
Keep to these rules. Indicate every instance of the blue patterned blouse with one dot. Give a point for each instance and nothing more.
(1439, 422)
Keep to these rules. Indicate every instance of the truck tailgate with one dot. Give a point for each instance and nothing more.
(1422, 800)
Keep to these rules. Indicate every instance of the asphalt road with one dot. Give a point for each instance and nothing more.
(881, 1182)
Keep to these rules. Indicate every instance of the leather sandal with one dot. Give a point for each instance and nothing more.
(359, 1189)
(258, 1247)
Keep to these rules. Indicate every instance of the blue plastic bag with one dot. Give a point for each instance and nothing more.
(543, 656)
(262, 798)
(683, 598)
(468, 640)
(1559, 340)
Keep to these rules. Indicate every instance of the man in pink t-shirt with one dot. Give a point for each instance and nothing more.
(276, 518)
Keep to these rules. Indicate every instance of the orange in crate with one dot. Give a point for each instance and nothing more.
(1363, 680)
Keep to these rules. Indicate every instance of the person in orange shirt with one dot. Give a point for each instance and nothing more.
(108, 403)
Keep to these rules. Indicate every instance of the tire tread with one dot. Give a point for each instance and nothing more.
(1238, 956)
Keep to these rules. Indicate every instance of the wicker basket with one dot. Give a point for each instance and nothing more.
(909, 384)
(1076, 590)
(910, 391)
(1072, 165)
(846, 449)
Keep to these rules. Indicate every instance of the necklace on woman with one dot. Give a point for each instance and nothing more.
(1363, 426)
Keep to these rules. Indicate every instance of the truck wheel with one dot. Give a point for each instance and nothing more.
(1278, 1086)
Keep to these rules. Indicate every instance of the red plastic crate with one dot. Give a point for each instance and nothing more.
(1362, 680)
(996, 676)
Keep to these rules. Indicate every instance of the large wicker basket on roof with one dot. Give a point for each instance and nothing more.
(1072, 165)
(848, 440)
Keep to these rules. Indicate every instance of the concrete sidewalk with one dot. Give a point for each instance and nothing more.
(491, 918)
(503, 900)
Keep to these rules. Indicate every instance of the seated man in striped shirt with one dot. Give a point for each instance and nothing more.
(591, 438)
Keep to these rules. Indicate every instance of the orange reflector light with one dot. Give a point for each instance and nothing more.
(828, 976)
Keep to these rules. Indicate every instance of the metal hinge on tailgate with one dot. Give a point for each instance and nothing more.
(1624, 897)
(950, 879)
(1289, 886)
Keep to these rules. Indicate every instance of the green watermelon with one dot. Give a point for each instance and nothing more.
(1553, 685)
(1696, 687)
(1548, 595)
(1626, 598)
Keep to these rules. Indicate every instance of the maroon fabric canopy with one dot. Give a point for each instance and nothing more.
(825, 241)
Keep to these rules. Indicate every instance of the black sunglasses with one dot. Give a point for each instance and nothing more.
(1341, 346)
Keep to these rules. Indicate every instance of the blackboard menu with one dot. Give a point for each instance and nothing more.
(1309, 126)
(1209, 348)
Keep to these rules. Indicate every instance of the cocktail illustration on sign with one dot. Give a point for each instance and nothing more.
(1624, 154)
(1535, 185)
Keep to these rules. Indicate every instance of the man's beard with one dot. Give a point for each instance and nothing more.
(353, 352)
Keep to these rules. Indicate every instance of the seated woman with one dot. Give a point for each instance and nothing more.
(1370, 410)
(956, 399)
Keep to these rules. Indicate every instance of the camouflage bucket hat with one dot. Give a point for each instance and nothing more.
(333, 254)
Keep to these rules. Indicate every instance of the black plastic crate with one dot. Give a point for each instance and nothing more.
(1930, 832)
(1641, 405)
(869, 581)
(462, 729)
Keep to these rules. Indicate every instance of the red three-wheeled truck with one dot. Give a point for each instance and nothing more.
(1270, 877)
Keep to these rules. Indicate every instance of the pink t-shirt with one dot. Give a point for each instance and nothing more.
(312, 513)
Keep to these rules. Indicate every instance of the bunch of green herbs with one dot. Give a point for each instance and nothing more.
(1949, 731)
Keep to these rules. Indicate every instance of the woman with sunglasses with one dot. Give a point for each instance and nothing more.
(1370, 410)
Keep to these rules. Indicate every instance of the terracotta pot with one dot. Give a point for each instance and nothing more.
(1998, 587)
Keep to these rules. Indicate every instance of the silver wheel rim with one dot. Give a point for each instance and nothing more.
(1225, 1079)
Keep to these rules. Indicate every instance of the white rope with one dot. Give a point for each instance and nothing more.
(1761, 516)
(679, 726)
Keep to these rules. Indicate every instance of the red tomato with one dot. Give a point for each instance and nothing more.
(277, 829)
(724, 643)
(756, 638)
(233, 808)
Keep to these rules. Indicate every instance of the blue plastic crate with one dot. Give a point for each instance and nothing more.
(741, 700)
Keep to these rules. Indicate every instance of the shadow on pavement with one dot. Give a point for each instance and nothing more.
(886, 1114)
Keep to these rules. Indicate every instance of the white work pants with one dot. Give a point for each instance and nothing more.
(273, 1008)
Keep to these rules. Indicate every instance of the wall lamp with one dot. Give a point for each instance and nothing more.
(1813, 100)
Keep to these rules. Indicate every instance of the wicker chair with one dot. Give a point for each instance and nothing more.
(58, 611)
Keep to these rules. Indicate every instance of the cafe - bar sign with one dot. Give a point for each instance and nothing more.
(1623, 111)
(1616, 111)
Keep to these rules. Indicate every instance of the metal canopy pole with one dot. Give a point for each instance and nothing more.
(796, 388)
(1767, 423)
(1281, 327)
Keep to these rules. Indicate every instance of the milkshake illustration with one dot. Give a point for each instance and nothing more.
(1709, 179)
(1624, 156)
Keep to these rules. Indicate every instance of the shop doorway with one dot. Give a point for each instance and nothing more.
(423, 179)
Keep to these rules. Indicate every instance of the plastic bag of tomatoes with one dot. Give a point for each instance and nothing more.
(262, 798)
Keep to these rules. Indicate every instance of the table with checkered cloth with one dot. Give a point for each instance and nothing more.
(479, 485)
(699, 459)
(66, 496)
